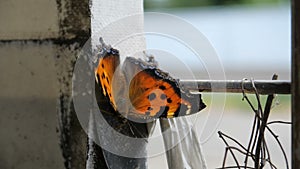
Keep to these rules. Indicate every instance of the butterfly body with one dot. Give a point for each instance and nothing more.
(139, 89)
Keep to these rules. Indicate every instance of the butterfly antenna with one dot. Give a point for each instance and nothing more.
(150, 59)
(102, 48)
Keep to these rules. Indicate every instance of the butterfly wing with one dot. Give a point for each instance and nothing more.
(108, 84)
(154, 93)
(151, 92)
(105, 72)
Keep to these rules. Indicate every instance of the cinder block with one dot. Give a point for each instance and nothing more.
(30, 19)
(28, 100)
(27, 70)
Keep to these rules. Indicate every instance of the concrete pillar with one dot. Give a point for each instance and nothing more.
(39, 41)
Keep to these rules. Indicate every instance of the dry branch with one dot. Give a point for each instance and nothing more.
(257, 148)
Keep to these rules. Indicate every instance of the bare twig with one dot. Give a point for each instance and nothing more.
(225, 157)
(280, 145)
(233, 156)
(257, 141)
(269, 156)
(279, 122)
(234, 140)
(234, 167)
(250, 141)
(265, 116)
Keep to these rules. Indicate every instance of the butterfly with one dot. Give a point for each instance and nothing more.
(138, 89)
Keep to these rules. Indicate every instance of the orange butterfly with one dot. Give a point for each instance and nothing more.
(138, 89)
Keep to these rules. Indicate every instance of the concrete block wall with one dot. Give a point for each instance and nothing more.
(28, 107)
(39, 42)
(30, 19)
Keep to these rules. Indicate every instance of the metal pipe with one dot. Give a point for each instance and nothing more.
(235, 86)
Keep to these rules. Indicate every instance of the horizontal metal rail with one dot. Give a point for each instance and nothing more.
(237, 86)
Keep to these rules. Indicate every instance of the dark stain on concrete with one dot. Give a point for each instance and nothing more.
(75, 30)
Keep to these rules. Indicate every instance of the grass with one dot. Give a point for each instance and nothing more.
(281, 103)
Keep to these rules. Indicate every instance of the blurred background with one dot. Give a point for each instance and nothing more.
(252, 39)
(162, 4)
